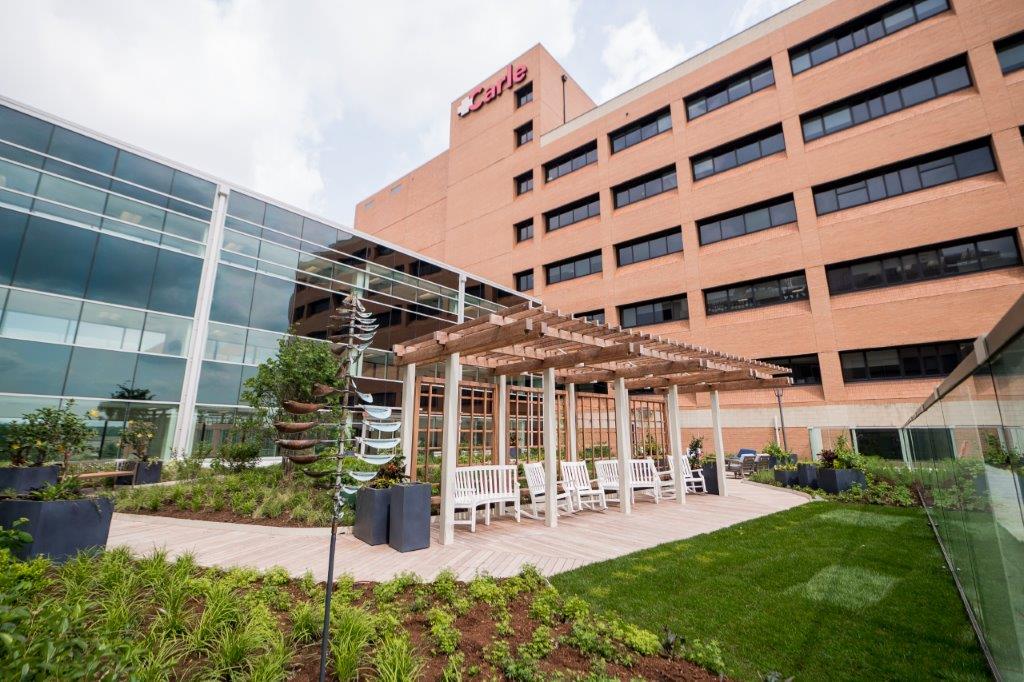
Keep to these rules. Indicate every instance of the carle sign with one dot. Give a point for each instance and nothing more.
(484, 94)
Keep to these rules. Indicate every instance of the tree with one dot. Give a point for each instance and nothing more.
(58, 431)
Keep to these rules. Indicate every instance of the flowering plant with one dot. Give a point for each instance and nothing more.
(136, 438)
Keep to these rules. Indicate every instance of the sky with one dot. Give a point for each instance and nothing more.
(320, 103)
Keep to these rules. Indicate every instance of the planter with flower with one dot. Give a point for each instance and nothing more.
(135, 440)
(60, 520)
(840, 469)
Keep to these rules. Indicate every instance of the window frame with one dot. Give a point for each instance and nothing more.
(1006, 44)
(726, 85)
(587, 201)
(781, 361)
(660, 175)
(522, 276)
(524, 134)
(519, 227)
(964, 347)
(524, 95)
(647, 239)
(734, 147)
(635, 306)
(586, 151)
(523, 183)
(664, 113)
(752, 285)
(742, 213)
(576, 262)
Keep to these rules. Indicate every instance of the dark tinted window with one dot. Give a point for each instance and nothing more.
(176, 283)
(232, 295)
(572, 268)
(739, 152)
(524, 133)
(593, 315)
(160, 376)
(12, 229)
(192, 189)
(929, 170)
(644, 187)
(573, 161)
(524, 280)
(140, 171)
(669, 309)
(82, 150)
(524, 230)
(99, 373)
(920, 86)
(524, 182)
(272, 304)
(524, 95)
(903, 362)
(756, 293)
(32, 367)
(247, 208)
(731, 89)
(587, 207)
(865, 29)
(219, 383)
(1010, 52)
(806, 370)
(650, 246)
(55, 257)
(643, 129)
(748, 219)
(122, 272)
(24, 130)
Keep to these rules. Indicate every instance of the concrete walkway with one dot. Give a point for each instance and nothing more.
(500, 549)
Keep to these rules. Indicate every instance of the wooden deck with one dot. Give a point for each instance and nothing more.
(500, 549)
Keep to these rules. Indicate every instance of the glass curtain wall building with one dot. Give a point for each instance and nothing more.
(145, 290)
(966, 447)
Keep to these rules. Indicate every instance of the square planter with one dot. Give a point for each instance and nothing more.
(372, 507)
(60, 528)
(409, 524)
(26, 479)
(787, 478)
(807, 475)
(148, 472)
(710, 472)
(836, 481)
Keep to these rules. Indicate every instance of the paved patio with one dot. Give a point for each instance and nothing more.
(500, 549)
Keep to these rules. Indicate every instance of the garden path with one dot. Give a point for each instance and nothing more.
(500, 549)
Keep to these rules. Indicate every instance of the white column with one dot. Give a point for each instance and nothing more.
(716, 422)
(624, 445)
(675, 443)
(501, 427)
(550, 449)
(570, 421)
(408, 414)
(449, 447)
(184, 430)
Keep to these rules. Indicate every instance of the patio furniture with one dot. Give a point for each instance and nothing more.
(482, 486)
(576, 480)
(693, 480)
(645, 478)
(743, 463)
(536, 484)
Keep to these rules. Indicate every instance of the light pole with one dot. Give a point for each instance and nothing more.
(782, 419)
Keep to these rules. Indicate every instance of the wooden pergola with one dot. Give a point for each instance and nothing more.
(532, 339)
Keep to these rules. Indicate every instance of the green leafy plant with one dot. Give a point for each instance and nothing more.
(351, 633)
(68, 488)
(236, 456)
(13, 539)
(136, 437)
(390, 474)
(443, 630)
(46, 434)
(396, 661)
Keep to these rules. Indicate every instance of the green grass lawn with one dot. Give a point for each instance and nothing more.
(824, 591)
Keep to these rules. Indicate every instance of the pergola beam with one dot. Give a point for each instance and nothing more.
(583, 356)
(747, 385)
(694, 379)
(489, 339)
(633, 372)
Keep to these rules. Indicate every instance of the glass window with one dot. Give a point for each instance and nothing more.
(159, 378)
(191, 188)
(767, 291)
(232, 295)
(55, 257)
(318, 233)
(37, 317)
(279, 255)
(854, 366)
(122, 272)
(96, 373)
(245, 207)
(272, 304)
(641, 130)
(165, 335)
(32, 367)
(73, 194)
(108, 327)
(738, 152)
(219, 383)
(225, 343)
(18, 178)
(12, 230)
(176, 283)
(144, 172)
(181, 226)
(24, 130)
(283, 221)
(260, 346)
(82, 150)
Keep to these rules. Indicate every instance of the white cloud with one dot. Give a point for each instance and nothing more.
(247, 90)
(635, 52)
(753, 11)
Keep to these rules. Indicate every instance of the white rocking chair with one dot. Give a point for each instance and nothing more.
(576, 480)
(536, 483)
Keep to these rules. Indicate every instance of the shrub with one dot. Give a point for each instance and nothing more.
(236, 456)
(707, 654)
(351, 633)
(442, 630)
(396, 661)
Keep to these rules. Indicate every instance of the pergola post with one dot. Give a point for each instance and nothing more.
(675, 443)
(501, 427)
(570, 421)
(624, 445)
(550, 450)
(449, 447)
(716, 422)
(408, 415)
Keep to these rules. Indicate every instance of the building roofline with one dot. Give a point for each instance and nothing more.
(223, 184)
(687, 66)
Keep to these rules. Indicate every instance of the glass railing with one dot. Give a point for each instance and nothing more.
(966, 446)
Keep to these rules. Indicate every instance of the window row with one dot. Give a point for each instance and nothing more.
(102, 165)
(54, 319)
(524, 280)
(756, 293)
(746, 220)
(572, 161)
(573, 268)
(596, 316)
(32, 367)
(1010, 51)
(226, 343)
(867, 28)
(649, 247)
(580, 210)
(910, 90)
(903, 362)
(644, 187)
(931, 262)
(806, 369)
(44, 193)
(910, 175)
(736, 87)
(46, 255)
(738, 152)
(656, 311)
(643, 129)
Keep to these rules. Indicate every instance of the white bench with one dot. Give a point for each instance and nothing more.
(645, 478)
(484, 485)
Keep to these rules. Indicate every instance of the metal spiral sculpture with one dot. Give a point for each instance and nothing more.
(356, 334)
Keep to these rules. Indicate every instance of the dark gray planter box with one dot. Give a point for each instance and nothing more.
(807, 475)
(26, 479)
(710, 472)
(60, 529)
(409, 524)
(372, 506)
(836, 481)
(148, 472)
(787, 478)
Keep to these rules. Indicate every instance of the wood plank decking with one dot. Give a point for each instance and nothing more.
(500, 549)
